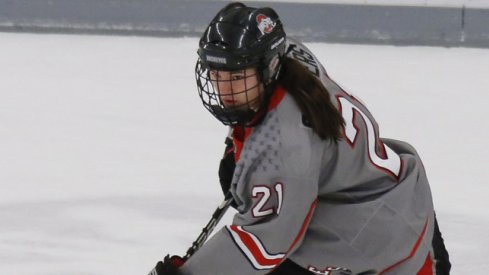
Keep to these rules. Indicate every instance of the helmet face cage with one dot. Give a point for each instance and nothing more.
(232, 99)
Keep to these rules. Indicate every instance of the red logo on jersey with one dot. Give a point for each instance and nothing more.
(265, 23)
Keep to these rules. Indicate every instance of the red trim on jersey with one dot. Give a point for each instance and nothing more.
(240, 133)
(254, 249)
(276, 98)
(305, 224)
(252, 246)
(427, 268)
(413, 251)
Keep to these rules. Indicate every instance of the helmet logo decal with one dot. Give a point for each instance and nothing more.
(265, 23)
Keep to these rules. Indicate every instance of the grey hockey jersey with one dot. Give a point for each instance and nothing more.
(359, 206)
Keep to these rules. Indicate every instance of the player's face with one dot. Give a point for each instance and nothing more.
(237, 89)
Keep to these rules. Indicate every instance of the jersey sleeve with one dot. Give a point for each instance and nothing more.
(275, 186)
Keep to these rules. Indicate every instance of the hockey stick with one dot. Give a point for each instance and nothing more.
(207, 230)
(168, 265)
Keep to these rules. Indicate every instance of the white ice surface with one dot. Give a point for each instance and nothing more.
(108, 161)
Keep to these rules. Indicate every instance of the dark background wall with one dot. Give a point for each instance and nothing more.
(374, 24)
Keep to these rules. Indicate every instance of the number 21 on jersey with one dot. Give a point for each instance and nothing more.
(391, 162)
(263, 193)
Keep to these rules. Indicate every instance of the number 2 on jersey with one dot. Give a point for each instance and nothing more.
(391, 162)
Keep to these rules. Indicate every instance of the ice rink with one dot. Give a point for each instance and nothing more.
(108, 161)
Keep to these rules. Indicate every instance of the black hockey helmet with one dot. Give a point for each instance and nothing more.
(239, 37)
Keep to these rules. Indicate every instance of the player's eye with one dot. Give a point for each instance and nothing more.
(237, 76)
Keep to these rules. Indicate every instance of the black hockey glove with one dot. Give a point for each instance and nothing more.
(226, 167)
(169, 266)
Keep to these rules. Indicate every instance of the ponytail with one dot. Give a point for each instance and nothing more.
(312, 98)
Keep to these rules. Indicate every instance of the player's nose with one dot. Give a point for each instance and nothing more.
(224, 87)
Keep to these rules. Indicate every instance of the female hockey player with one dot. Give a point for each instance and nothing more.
(316, 189)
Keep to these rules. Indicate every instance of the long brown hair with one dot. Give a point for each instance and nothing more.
(312, 98)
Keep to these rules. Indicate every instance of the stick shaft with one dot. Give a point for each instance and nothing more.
(207, 230)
